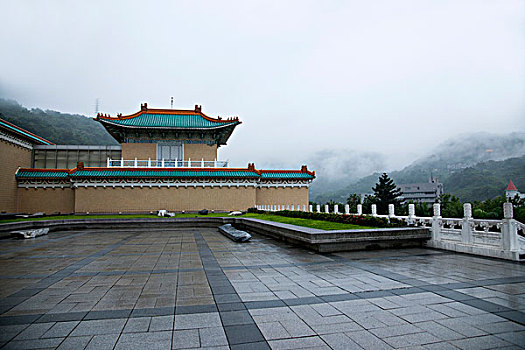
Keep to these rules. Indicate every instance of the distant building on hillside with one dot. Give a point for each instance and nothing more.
(512, 191)
(425, 192)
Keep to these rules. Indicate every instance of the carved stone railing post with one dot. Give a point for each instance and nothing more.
(336, 209)
(347, 209)
(374, 210)
(359, 209)
(411, 214)
(391, 212)
(509, 230)
(310, 208)
(436, 222)
(466, 225)
(318, 208)
(326, 209)
(292, 208)
(304, 207)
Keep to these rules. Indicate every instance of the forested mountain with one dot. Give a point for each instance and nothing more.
(471, 167)
(486, 180)
(59, 128)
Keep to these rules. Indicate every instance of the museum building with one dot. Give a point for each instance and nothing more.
(167, 159)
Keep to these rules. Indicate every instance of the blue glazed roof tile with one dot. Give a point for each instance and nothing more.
(183, 121)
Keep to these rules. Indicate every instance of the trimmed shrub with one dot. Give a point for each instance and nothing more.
(361, 220)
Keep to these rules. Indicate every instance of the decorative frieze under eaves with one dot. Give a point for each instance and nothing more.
(151, 183)
(44, 184)
(15, 140)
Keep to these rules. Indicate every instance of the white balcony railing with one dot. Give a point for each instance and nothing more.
(164, 163)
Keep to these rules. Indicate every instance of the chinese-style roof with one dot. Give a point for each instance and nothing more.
(42, 173)
(511, 186)
(166, 172)
(168, 119)
(82, 172)
(29, 136)
(286, 174)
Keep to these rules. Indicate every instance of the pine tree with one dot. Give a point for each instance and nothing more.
(386, 192)
(353, 200)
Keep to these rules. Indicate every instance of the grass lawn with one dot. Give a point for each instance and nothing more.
(318, 224)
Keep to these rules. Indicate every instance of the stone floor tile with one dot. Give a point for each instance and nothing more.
(231, 318)
(34, 331)
(439, 346)
(192, 321)
(297, 328)
(429, 315)
(60, 329)
(212, 337)
(339, 341)
(95, 327)
(501, 327)
(273, 330)
(74, 343)
(243, 334)
(137, 324)
(413, 339)
(438, 330)
(188, 338)
(34, 344)
(392, 331)
(480, 343)
(367, 340)
(516, 338)
(106, 341)
(299, 343)
(149, 340)
(161, 323)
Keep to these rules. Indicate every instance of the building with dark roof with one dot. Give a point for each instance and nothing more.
(167, 159)
(424, 192)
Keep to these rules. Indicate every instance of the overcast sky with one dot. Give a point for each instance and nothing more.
(372, 83)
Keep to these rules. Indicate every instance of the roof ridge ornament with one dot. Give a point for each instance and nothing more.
(144, 106)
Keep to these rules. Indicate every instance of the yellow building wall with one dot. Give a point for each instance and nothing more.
(11, 157)
(282, 196)
(141, 151)
(195, 151)
(46, 200)
(147, 199)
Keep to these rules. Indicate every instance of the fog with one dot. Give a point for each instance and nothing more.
(347, 87)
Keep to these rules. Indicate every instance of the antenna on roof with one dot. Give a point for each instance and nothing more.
(96, 105)
(171, 102)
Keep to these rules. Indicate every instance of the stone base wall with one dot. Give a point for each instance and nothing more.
(282, 196)
(46, 200)
(104, 200)
(146, 199)
(11, 157)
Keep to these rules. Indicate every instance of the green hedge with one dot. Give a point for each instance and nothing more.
(361, 220)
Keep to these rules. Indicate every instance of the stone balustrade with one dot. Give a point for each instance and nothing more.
(165, 163)
(495, 238)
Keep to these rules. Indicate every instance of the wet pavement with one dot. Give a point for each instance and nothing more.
(177, 289)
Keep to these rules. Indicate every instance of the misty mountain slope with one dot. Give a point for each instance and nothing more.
(449, 163)
(487, 179)
(60, 128)
(467, 150)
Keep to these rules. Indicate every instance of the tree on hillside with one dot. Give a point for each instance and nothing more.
(367, 203)
(451, 206)
(386, 193)
(353, 200)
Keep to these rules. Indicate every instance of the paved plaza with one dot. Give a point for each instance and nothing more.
(191, 288)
